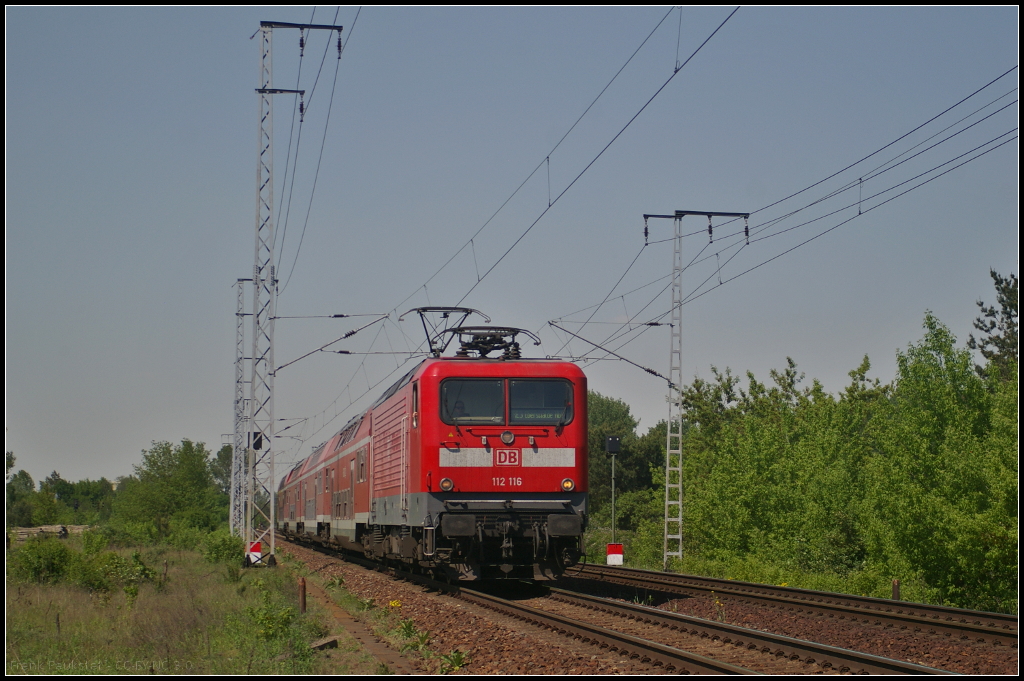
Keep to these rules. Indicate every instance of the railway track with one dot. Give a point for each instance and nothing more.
(828, 658)
(648, 637)
(669, 657)
(721, 648)
(995, 628)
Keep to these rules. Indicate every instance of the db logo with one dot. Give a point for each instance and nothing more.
(507, 457)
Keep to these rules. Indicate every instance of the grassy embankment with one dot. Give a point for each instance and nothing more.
(75, 609)
(387, 622)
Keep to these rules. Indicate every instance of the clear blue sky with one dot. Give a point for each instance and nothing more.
(131, 149)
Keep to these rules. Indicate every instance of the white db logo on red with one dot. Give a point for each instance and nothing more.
(507, 457)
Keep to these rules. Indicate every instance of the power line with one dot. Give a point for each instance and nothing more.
(545, 160)
(323, 139)
(594, 160)
(551, 203)
(694, 295)
(850, 185)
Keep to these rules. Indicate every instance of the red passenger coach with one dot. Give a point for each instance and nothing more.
(469, 467)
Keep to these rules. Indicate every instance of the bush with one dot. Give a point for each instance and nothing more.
(187, 538)
(222, 547)
(129, 533)
(94, 541)
(41, 559)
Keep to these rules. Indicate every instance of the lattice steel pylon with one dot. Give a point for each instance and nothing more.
(259, 492)
(259, 514)
(673, 536)
(236, 513)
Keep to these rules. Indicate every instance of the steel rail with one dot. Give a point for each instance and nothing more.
(980, 626)
(647, 651)
(609, 639)
(825, 656)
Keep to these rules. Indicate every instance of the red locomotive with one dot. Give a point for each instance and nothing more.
(468, 467)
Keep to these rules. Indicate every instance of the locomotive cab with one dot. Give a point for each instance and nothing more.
(468, 467)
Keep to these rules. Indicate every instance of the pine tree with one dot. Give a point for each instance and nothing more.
(999, 346)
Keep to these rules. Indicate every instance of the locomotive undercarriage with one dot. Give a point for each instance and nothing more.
(467, 546)
(466, 536)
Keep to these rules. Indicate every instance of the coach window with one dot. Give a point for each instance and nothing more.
(473, 402)
(540, 402)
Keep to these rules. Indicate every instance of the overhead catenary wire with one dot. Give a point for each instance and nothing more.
(316, 81)
(348, 334)
(323, 139)
(288, 154)
(545, 161)
(694, 295)
(598, 156)
(718, 238)
(878, 170)
(677, 69)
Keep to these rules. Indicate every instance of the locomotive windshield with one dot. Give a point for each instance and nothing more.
(532, 402)
(540, 402)
(473, 401)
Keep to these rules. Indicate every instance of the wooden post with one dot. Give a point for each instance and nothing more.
(896, 589)
(302, 594)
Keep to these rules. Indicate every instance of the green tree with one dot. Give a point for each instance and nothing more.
(611, 417)
(943, 492)
(220, 468)
(20, 490)
(172, 489)
(999, 324)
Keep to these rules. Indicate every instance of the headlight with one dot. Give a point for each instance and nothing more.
(447, 485)
(507, 437)
(567, 485)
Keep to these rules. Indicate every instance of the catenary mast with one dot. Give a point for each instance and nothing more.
(673, 536)
(259, 489)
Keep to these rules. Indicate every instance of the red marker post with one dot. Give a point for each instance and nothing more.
(614, 554)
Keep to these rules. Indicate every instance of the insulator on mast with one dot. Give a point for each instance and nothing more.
(710, 236)
(302, 42)
(339, 44)
(746, 230)
(302, 108)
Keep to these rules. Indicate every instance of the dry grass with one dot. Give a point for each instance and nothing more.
(205, 619)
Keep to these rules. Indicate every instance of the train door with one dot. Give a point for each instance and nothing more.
(404, 475)
(350, 504)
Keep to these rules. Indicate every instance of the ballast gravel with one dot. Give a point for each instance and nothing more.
(493, 643)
